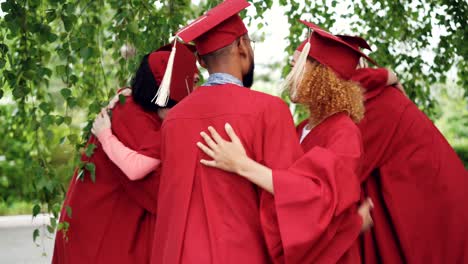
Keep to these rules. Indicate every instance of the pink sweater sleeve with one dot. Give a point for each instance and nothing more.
(135, 165)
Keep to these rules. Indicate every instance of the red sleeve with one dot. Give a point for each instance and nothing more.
(137, 129)
(140, 131)
(316, 201)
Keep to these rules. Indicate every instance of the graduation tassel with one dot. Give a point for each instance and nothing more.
(162, 96)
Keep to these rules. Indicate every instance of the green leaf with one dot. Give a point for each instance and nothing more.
(52, 37)
(47, 120)
(73, 79)
(50, 15)
(94, 107)
(2, 63)
(91, 168)
(53, 221)
(6, 6)
(61, 70)
(1, 93)
(50, 184)
(65, 92)
(133, 27)
(47, 72)
(36, 210)
(122, 99)
(69, 211)
(86, 53)
(35, 234)
(88, 126)
(67, 120)
(63, 227)
(69, 8)
(45, 107)
(72, 102)
(67, 22)
(18, 92)
(90, 150)
(50, 229)
(56, 209)
(73, 138)
(3, 48)
(59, 120)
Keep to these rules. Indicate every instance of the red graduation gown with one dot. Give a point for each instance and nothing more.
(206, 215)
(316, 198)
(113, 219)
(415, 179)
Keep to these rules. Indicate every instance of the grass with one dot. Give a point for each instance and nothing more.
(15, 208)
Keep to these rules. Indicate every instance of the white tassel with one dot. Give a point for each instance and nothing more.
(162, 96)
(187, 86)
(294, 78)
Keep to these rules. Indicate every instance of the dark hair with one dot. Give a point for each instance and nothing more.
(145, 87)
(208, 58)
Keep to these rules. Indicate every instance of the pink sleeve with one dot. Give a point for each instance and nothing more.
(135, 165)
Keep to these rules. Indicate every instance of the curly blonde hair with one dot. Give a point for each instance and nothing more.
(326, 94)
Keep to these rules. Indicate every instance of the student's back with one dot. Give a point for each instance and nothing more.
(417, 183)
(207, 215)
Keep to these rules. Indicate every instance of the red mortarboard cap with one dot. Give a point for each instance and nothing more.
(185, 63)
(332, 51)
(355, 41)
(217, 28)
(168, 47)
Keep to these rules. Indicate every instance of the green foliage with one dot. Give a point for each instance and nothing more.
(453, 109)
(401, 32)
(58, 60)
(69, 211)
(35, 234)
(453, 118)
(15, 208)
(462, 151)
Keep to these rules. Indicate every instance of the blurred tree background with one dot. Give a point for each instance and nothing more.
(61, 60)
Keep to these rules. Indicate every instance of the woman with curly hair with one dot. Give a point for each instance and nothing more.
(316, 218)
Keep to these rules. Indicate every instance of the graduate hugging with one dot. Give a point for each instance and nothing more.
(113, 217)
(221, 175)
(315, 199)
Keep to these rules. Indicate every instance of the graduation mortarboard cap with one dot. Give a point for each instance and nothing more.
(217, 28)
(355, 41)
(342, 57)
(184, 61)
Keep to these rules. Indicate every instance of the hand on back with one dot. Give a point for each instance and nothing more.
(226, 155)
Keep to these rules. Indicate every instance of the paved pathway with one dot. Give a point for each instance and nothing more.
(16, 244)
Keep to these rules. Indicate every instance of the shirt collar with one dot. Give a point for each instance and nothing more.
(222, 78)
